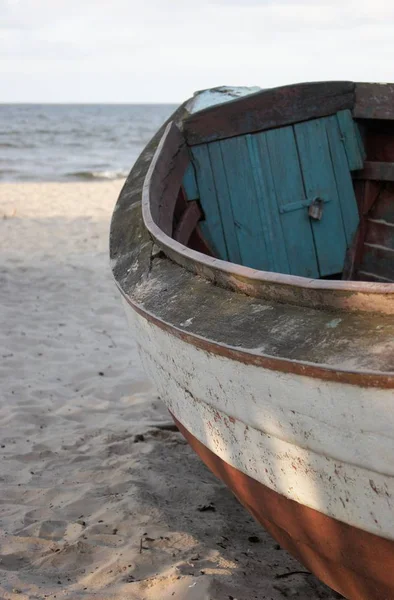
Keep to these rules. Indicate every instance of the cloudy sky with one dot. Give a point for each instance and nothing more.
(163, 50)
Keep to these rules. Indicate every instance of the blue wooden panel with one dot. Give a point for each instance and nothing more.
(319, 181)
(290, 194)
(223, 196)
(244, 203)
(347, 198)
(189, 183)
(212, 227)
(268, 206)
(351, 139)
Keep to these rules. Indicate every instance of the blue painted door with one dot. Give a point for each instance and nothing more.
(256, 192)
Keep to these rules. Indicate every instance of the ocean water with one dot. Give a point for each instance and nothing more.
(44, 142)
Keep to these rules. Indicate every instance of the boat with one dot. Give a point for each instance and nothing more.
(253, 247)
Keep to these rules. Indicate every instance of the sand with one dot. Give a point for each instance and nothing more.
(99, 496)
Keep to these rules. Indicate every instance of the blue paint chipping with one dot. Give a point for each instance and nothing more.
(223, 196)
(245, 203)
(212, 227)
(256, 190)
(190, 183)
(350, 137)
(289, 188)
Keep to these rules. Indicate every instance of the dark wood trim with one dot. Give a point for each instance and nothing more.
(164, 183)
(374, 101)
(269, 108)
(377, 171)
(318, 293)
(187, 222)
(354, 562)
(197, 242)
(367, 192)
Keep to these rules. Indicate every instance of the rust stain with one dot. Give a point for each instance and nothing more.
(352, 561)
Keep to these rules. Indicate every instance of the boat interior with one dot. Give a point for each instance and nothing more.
(296, 180)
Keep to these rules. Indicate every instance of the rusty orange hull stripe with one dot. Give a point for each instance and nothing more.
(357, 564)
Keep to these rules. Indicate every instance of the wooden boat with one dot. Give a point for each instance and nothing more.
(253, 244)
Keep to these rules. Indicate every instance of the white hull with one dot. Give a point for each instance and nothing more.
(326, 445)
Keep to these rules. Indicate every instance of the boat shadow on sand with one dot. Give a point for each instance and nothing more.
(206, 535)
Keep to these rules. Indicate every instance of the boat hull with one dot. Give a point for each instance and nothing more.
(282, 384)
(351, 561)
(331, 513)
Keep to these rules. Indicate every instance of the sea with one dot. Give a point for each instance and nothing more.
(75, 142)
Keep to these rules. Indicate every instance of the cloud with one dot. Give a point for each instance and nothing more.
(162, 50)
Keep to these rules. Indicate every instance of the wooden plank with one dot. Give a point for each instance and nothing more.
(381, 204)
(364, 276)
(267, 203)
(197, 242)
(380, 233)
(319, 180)
(166, 180)
(374, 101)
(180, 206)
(378, 261)
(378, 171)
(162, 208)
(345, 191)
(268, 109)
(212, 226)
(189, 183)
(279, 156)
(187, 222)
(355, 250)
(223, 196)
(379, 139)
(243, 195)
(350, 136)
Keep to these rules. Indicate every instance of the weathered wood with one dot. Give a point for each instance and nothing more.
(379, 139)
(364, 276)
(267, 203)
(255, 249)
(378, 260)
(166, 180)
(268, 109)
(187, 223)
(224, 201)
(380, 233)
(212, 229)
(287, 179)
(354, 251)
(345, 296)
(189, 183)
(319, 180)
(338, 152)
(374, 101)
(382, 205)
(350, 137)
(199, 243)
(378, 171)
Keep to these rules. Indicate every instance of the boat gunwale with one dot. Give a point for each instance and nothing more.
(122, 249)
(244, 279)
(325, 372)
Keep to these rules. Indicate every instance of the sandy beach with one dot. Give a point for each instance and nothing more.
(100, 496)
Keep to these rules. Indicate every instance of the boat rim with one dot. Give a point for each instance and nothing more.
(178, 252)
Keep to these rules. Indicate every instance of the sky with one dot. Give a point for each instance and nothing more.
(164, 50)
